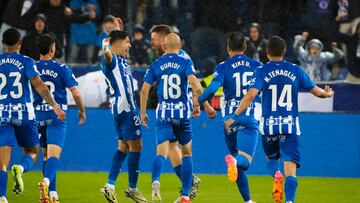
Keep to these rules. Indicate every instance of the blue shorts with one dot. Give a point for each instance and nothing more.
(51, 130)
(172, 130)
(24, 132)
(242, 137)
(127, 126)
(288, 145)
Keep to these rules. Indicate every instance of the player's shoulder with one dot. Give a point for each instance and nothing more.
(184, 54)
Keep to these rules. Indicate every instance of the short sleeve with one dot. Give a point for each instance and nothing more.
(219, 74)
(69, 77)
(31, 69)
(305, 81)
(190, 70)
(257, 80)
(150, 76)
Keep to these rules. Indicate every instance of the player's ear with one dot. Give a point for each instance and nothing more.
(284, 51)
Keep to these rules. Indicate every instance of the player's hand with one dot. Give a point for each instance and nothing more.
(227, 124)
(61, 115)
(210, 112)
(82, 117)
(118, 24)
(144, 118)
(329, 91)
(333, 45)
(305, 35)
(196, 111)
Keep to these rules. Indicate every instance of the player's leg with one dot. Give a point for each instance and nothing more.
(5, 155)
(7, 140)
(27, 138)
(272, 151)
(246, 145)
(183, 133)
(108, 190)
(175, 157)
(291, 150)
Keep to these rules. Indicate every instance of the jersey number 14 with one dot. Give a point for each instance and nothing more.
(284, 99)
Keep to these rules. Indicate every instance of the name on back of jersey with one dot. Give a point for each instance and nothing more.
(279, 72)
(48, 72)
(170, 65)
(13, 61)
(240, 63)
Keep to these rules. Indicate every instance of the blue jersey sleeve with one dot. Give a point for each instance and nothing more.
(219, 74)
(69, 77)
(150, 76)
(110, 66)
(257, 81)
(305, 81)
(189, 70)
(30, 68)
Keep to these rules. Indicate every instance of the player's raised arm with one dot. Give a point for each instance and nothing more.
(44, 93)
(107, 51)
(79, 103)
(143, 103)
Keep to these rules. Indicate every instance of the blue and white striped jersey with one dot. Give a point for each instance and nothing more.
(120, 82)
(280, 82)
(234, 75)
(171, 72)
(16, 95)
(57, 77)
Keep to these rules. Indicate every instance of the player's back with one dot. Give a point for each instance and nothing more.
(171, 73)
(16, 96)
(234, 74)
(281, 83)
(57, 77)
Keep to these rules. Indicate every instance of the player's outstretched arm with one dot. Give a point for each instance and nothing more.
(44, 93)
(80, 104)
(327, 92)
(106, 50)
(244, 104)
(143, 103)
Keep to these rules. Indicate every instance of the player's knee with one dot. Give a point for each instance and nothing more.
(186, 151)
(290, 168)
(135, 147)
(242, 162)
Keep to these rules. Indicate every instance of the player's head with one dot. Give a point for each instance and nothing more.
(46, 45)
(172, 43)
(108, 23)
(235, 43)
(275, 47)
(119, 42)
(254, 31)
(11, 39)
(158, 34)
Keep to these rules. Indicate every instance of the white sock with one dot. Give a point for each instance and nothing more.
(4, 198)
(111, 186)
(133, 189)
(250, 201)
(47, 181)
(53, 194)
(21, 169)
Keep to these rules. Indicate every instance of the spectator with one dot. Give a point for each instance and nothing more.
(28, 46)
(16, 14)
(139, 51)
(353, 53)
(83, 35)
(256, 44)
(313, 59)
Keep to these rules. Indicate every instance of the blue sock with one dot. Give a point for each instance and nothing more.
(133, 167)
(177, 170)
(243, 185)
(242, 162)
(50, 168)
(290, 188)
(186, 175)
(273, 166)
(3, 183)
(52, 186)
(118, 159)
(43, 167)
(158, 165)
(27, 163)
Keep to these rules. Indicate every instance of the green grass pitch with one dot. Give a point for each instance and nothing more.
(83, 187)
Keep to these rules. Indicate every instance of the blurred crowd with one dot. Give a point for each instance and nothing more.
(322, 35)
